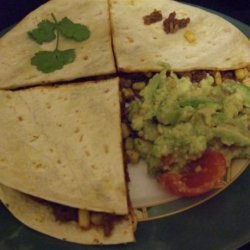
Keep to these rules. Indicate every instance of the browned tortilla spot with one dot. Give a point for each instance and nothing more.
(20, 118)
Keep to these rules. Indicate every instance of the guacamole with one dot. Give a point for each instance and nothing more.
(174, 120)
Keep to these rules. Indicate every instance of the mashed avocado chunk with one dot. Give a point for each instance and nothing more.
(176, 119)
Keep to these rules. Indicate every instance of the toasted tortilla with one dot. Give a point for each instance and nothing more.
(93, 56)
(41, 218)
(63, 144)
(139, 47)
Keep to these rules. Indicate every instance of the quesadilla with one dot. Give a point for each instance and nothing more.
(146, 33)
(64, 148)
(66, 139)
(92, 57)
(41, 217)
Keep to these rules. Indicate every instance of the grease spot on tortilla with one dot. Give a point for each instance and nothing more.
(122, 190)
(51, 150)
(131, 2)
(77, 130)
(96, 240)
(8, 96)
(99, 13)
(2, 160)
(85, 58)
(34, 138)
(226, 29)
(20, 118)
(59, 125)
(59, 162)
(106, 148)
(130, 40)
(81, 138)
(93, 166)
(76, 111)
(87, 153)
(106, 90)
(39, 166)
(48, 106)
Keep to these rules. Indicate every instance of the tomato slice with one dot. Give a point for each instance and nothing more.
(198, 176)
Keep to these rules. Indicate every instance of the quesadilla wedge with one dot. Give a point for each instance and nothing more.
(184, 36)
(63, 144)
(90, 57)
(41, 217)
(61, 162)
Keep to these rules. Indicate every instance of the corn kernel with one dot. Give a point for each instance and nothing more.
(240, 74)
(133, 156)
(190, 37)
(217, 78)
(139, 85)
(127, 93)
(83, 218)
(125, 130)
(96, 218)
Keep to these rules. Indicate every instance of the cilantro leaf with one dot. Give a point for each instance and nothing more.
(75, 31)
(49, 61)
(45, 32)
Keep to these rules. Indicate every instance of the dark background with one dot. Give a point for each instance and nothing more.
(12, 11)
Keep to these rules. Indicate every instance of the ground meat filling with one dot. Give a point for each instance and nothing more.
(154, 17)
(108, 221)
(65, 214)
(172, 24)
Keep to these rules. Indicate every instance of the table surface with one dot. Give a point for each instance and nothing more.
(12, 11)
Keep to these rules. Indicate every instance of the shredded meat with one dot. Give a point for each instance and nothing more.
(198, 75)
(228, 75)
(154, 17)
(172, 24)
(64, 213)
(109, 221)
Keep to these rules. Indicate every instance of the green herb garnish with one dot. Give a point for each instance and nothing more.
(74, 31)
(47, 31)
(49, 61)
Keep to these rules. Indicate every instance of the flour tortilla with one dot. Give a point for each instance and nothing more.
(139, 47)
(63, 144)
(93, 56)
(40, 217)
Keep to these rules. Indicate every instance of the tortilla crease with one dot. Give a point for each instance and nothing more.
(93, 56)
(141, 48)
(64, 145)
(40, 217)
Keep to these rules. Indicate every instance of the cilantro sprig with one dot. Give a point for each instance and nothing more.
(47, 31)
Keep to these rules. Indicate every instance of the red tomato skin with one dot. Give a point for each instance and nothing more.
(198, 177)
